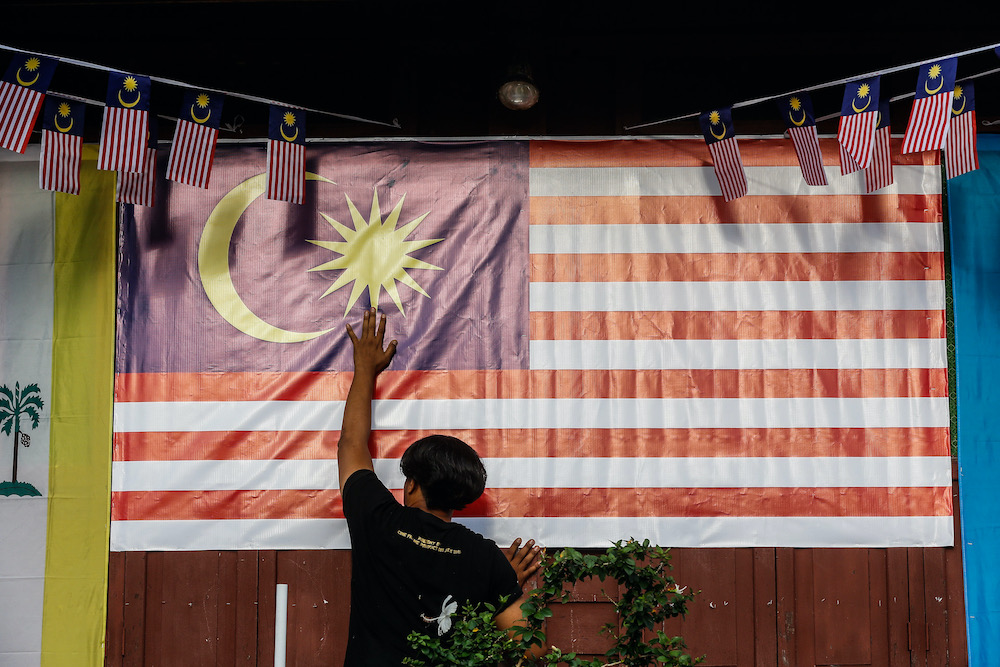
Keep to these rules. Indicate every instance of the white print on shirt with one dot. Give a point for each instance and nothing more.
(444, 620)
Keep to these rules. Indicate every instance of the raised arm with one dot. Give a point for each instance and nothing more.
(370, 359)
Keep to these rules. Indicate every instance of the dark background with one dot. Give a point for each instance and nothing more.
(435, 66)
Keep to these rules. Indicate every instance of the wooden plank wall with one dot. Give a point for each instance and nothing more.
(756, 607)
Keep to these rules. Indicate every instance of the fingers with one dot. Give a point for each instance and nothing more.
(511, 551)
(380, 333)
(366, 327)
(354, 336)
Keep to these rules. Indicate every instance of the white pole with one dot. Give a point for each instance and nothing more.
(280, 624)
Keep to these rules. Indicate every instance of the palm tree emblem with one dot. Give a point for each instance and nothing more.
(14, 405)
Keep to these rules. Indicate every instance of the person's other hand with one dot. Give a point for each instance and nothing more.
(525, 560)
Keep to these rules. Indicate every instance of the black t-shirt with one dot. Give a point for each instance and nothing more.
(408, 567)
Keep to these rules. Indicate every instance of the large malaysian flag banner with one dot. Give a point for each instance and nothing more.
(22, 90)
(928, 125)
(858, 118)
(720, 136)
(125, 126)
(797, 113)
(195, 136)
(960, 152)
(630, 354)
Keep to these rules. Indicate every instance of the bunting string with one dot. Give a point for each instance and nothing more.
(181, 84)
(831, 84)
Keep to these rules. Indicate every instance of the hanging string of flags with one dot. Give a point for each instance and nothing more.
(942, 117)
(128, 142)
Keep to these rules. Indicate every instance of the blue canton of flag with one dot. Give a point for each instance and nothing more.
(928, 124)
(21, 93)
(720, 135)
(62, 145)
(960, 151)
(797, 113)
(125, 127)
(858, 116)
(286, 154)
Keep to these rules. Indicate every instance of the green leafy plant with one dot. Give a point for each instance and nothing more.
(647, 595)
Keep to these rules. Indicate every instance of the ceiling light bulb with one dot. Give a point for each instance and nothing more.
(518, 94)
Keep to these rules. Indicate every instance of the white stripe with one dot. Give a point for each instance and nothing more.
(737, 238)
(737, 295)
(747, 354)
(555, 472)
(496, 413)
(701, 181)
(583, 532)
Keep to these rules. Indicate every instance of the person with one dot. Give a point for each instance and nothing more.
(412, 566)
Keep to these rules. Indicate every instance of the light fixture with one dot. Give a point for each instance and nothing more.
(519, 91)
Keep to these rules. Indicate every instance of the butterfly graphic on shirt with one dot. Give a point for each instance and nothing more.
(448, 607)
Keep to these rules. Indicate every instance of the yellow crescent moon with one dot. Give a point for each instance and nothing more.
(200, 120)
(854, 105)
(281, 129)
(55, 121)
(213, 263)
(125, 104)
(797, 123)
(27, 83)
(961, 109)
(932, 92)
(718, 136)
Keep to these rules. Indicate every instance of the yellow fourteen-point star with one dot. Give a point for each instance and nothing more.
(375, 255)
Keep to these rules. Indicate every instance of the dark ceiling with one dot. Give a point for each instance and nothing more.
(435, 66)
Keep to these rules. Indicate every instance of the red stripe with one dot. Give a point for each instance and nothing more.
(748, 210)
(697, 267)
(528, 443)
(423, 385)
(742, 325)
(632, 502)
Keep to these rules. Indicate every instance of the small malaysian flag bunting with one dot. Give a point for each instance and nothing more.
(21, 93)
(125, 125)
(858, 117)
(797, 112)
(960, 152)
(931, 110)
(197, 132)
(717, 126)
(62, 146)
(286, 155)
(878, 175)
(140, 187)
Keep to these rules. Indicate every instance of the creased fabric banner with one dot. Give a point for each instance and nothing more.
(57, 285)
(631, 355)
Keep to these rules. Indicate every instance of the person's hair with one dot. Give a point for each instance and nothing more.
(449, 472)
